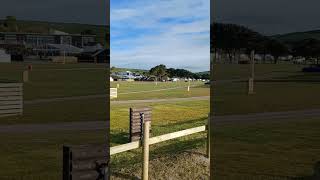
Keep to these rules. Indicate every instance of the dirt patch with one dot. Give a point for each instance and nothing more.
(186, 165)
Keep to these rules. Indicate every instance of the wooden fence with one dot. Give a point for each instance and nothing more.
(11, 99)
(147, 141)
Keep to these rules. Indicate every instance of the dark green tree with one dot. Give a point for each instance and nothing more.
(276, 49)
(11, 24)
(160, 71)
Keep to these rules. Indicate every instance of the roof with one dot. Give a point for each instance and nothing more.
(56, 32)
(98, 52)
(66, 47)
(92, 49)
(47, 34)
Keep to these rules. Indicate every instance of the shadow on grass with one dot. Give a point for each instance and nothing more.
(183, 123)
(119, 137)
(125, 176)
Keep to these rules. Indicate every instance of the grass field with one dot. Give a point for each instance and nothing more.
(167, 117)
(277, 88)
(41, 152)
(279, 148)
(57, 80)
(163, 90)
(275, 149)
(37, 155)
(256, 149)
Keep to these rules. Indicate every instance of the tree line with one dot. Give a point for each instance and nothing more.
(161, 72)
(231, 39)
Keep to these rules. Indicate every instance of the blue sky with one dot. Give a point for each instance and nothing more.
(146, 33)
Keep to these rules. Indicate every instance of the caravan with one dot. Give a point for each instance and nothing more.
(4, 57)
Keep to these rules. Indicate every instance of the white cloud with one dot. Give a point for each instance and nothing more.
(178, 44)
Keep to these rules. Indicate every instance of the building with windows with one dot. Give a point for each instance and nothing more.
(37, 40)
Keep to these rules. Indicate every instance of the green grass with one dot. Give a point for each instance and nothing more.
(277, 88)
(49, 81)
(269, 97)
(177, 116)
(166, 118)
(287, 148)
(236, 71)
(264, 149)
(40, 155)
(163, 90)
(278, 148)
(59, 112)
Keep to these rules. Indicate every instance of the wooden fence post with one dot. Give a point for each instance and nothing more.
(25, 76)
(146, 130)
(208, 137)
(251, 79)
(252, 63)
(250, 86)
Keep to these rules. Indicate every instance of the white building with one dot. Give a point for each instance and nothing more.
(175, 79)
(4, 57)
(128, 75)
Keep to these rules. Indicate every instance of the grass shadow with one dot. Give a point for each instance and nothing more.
(125, 176)
(119, 137)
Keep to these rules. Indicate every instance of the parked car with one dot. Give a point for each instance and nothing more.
(312, 68)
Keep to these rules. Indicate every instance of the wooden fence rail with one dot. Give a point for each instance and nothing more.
(146, 142)
(11, 99)
(137, 144)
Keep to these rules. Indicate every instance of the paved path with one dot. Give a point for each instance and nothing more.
(161, 100)
(268, 116)
(102, 125)
(67, 126)
(37, 101)
(157, 90)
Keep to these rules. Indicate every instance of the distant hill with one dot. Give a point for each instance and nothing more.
(72, 28)
(204, 72)
(298, 36)
(140, 71)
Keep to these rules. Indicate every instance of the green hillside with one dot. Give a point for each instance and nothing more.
(298, 36)
(140, 71)
(44, 27)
